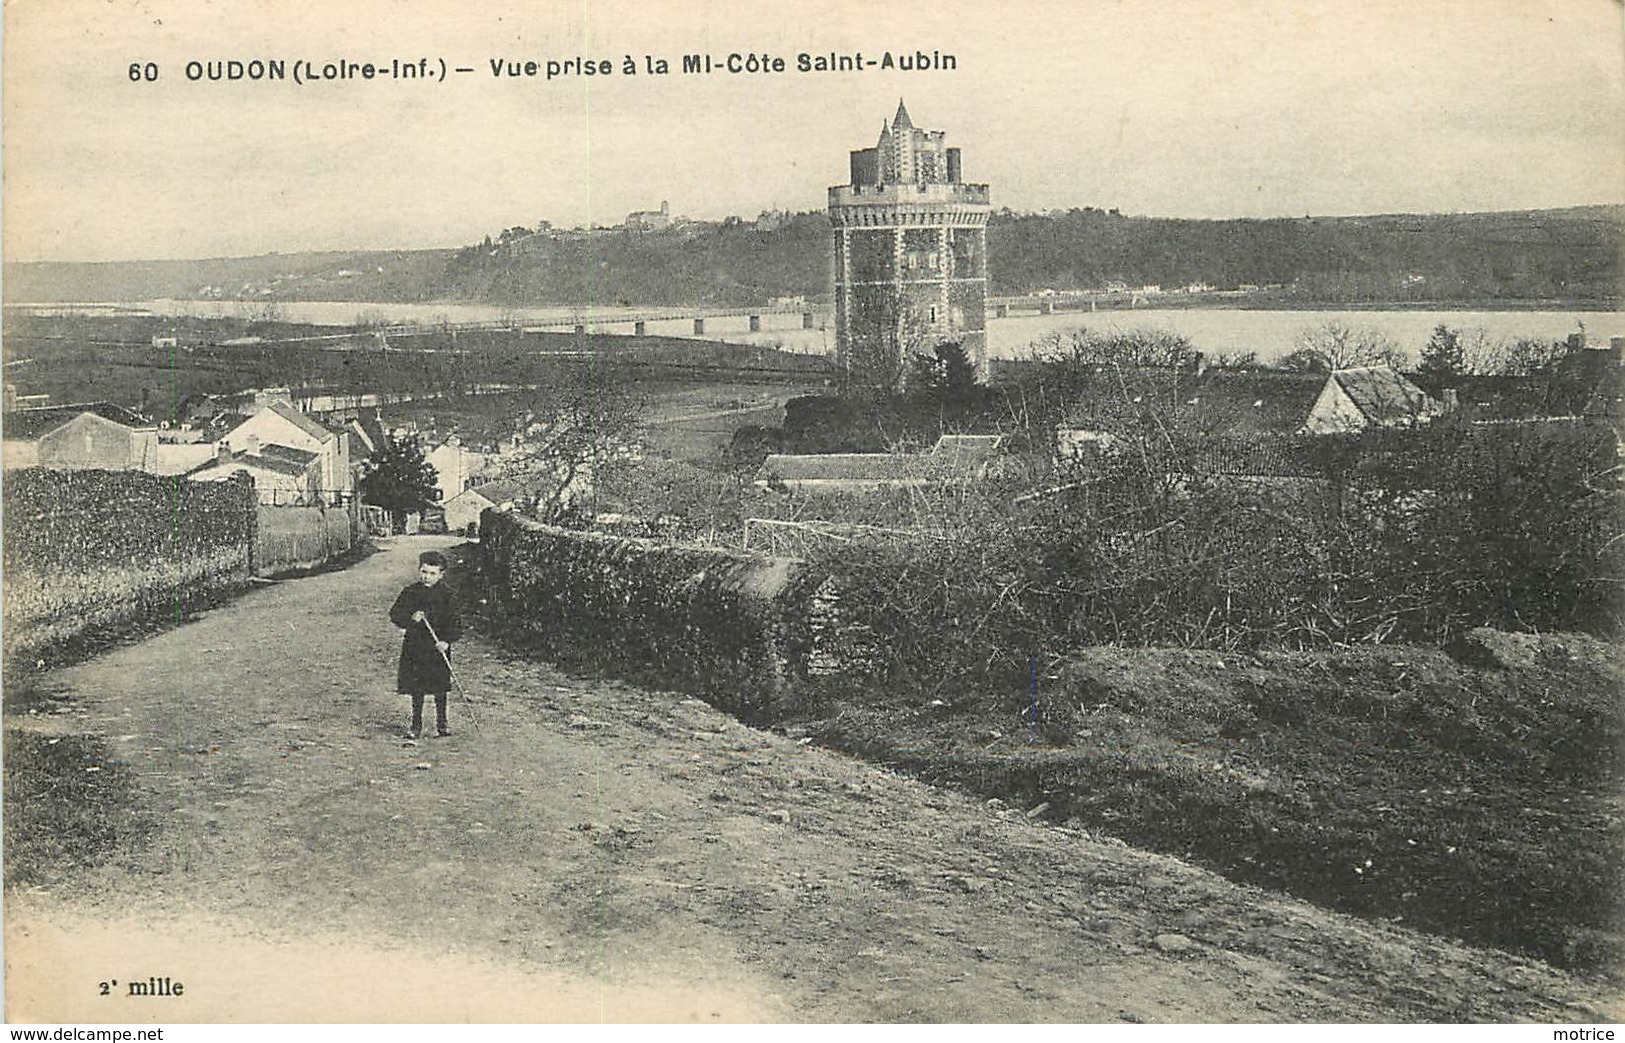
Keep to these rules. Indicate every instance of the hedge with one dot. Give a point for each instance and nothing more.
(728, 625)
(93, 554)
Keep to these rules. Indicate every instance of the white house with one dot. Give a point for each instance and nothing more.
(282, 475)
(280, 424)
(453, 465)
(464, 509)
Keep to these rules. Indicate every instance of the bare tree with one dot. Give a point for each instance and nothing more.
(1333, 346)
(577, 423)
(1136, 348)
(1483, 354)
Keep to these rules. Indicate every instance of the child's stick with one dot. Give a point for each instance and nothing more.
(472, 716)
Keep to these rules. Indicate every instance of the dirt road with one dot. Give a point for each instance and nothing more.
(596, 851)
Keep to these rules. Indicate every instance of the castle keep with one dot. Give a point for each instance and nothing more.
(910, 256)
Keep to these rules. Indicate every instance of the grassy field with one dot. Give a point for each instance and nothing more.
(1391, 782)
(86, 358)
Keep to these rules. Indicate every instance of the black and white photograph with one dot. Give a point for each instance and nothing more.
(1104, 513)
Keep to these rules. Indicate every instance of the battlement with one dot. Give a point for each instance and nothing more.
(872, 195)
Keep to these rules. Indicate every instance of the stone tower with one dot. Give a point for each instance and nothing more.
(910, 257)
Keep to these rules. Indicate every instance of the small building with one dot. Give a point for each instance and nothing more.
(650, 220)
(1368, 396)
(465, 508)
(82, 435)
(282, 475)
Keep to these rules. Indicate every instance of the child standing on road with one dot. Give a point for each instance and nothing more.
(426, 612)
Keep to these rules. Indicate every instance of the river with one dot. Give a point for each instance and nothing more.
(1271, 334)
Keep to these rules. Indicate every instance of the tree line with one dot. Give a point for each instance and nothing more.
(1570, 254)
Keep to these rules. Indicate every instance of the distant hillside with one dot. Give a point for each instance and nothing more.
(1573, 254)
(392, 275)
(1540, 254)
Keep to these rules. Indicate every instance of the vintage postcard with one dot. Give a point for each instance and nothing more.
(923, 512)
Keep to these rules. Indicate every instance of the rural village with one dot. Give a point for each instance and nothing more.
(1115, 679)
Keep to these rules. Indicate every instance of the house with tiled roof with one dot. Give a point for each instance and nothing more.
(280, 424)
(1353, 400)
(282, 474)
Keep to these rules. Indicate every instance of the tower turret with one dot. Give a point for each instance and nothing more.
(910, 242)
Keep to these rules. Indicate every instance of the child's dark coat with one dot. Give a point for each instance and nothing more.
(422, 670)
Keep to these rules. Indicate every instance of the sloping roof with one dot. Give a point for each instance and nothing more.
(373, 437)
(1383, 394)
(304, 423)
(288, 454)
(250, 463)
(1509, 397)
(1607, 399)
(1262, 457)
(901, 120)
(1249, 401)
(499, 491)
(29, 424)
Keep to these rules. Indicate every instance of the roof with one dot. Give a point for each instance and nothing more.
(500, 490)
(371, 430)
(288, 454)
(1250, 401)
(31, 423)
(228, 421)
(1383, 395)
(246, 462)
(901, 120)
(1607, 399)
(304, 423)
(867, 468)
(1266, 457)
(1509, 397)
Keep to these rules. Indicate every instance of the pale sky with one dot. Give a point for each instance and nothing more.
(1201, 108)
